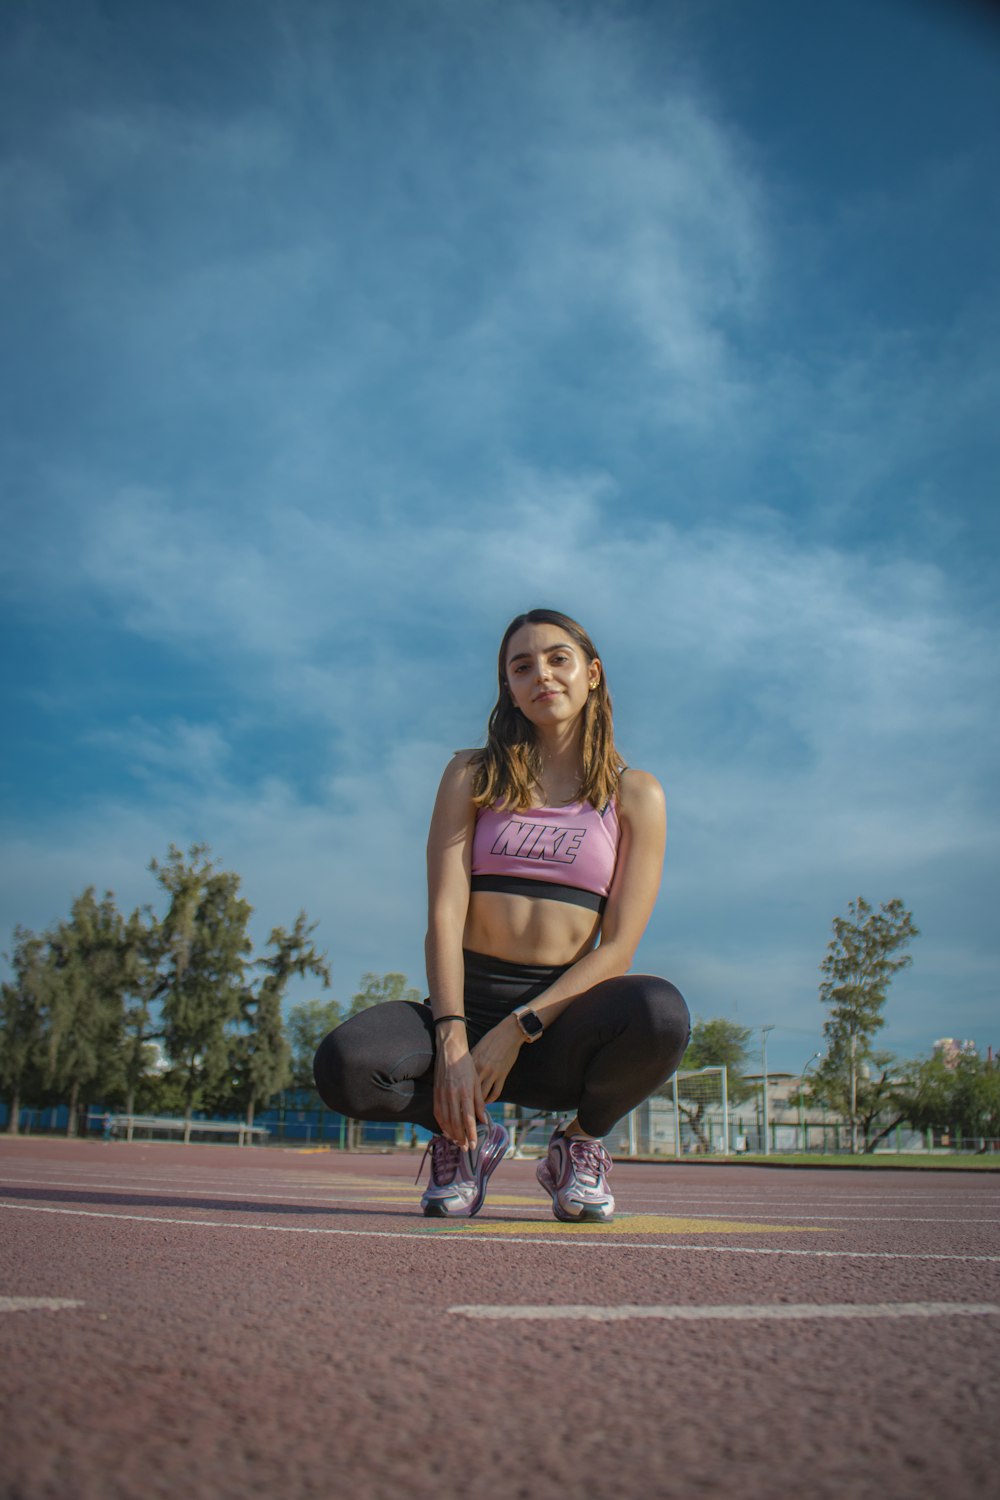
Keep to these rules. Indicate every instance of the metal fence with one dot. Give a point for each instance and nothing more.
(695, 1118)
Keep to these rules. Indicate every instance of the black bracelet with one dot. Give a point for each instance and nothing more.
(439, 1019)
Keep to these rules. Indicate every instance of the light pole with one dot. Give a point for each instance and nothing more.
(763, 1057)
(802, 1078)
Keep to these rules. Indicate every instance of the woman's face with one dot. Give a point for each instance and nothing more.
(548, 675)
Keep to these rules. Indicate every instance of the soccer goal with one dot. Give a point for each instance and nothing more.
(701, 1112)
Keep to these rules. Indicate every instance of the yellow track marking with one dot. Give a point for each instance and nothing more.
(345, 1180)
(497, 1200)
(629, 1224)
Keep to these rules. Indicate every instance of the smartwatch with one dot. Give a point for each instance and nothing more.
(528, 1021)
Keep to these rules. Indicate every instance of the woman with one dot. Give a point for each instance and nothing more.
(540, 844)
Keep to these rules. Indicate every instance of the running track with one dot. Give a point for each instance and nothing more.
(209, 1322)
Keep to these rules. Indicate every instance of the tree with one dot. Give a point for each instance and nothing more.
(308, 1023)
(203, 945)
(714, 1044)
(264, 1056)
(862, 958)
(975, 1099)
(142, 946)
(88, 979)
(878, 1090)
(22, 1020)
(377, 988)
(963, 1096)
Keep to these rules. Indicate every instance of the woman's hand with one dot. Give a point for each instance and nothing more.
(458, 1095)
(495, 1055)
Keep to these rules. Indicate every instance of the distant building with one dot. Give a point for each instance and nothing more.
(950, 1049)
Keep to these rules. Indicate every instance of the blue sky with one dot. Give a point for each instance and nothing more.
(336, 334)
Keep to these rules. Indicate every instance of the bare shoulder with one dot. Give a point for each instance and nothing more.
(458, 773)
(640, 796)
(454, 810)
(462, 763)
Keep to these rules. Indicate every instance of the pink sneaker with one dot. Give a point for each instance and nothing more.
(458, 1179)
(574, 1173)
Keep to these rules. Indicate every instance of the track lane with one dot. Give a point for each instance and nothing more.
(265, 1354)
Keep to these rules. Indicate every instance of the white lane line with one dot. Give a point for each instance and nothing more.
(871, 1219)
(162, 1180)
(204, 1185)
(739, 1313)
(171, 1190)
(733, 1194)
(35, 1304)
(426, 1236)
(350, 1194)
(394, 1185)
(733, 1202)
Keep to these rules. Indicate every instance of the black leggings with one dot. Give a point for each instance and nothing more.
(602, 1056)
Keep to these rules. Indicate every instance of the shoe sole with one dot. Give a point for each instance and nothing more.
(585, 1216)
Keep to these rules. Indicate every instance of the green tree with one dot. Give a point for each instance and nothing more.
(876, 1093)
(878, 1085)
(158, 1091)
(143, 943)
(264, 1056)
(308, 1023)
(963, 1096)
(863, 957)
(976, 1099)
(23, 1012)
(714, 1044)
(203, 947)
(377, 988)
(88, 981)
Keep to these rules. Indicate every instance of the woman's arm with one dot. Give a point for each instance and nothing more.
(458, 1098)
(642, 811)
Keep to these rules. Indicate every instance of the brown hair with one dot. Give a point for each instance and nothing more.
(507, 770)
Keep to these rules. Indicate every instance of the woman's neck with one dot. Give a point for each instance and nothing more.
(561, 755)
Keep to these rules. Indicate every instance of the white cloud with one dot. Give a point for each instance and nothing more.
(365, 365)
(826, 656)
(354, 861)
(818, 720)
(179, 751)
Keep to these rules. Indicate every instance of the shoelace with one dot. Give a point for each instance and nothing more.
(589, 1158)
(445, 1159)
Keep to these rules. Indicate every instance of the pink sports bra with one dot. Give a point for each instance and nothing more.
(557, 853)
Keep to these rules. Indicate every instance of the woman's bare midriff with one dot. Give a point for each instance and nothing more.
(529, 930)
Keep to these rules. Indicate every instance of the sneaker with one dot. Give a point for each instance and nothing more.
(574, 1173)
(458, 1179)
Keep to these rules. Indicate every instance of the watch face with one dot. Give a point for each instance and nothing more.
(530, 1024)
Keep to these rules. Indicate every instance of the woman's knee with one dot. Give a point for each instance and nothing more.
(372, 1055)
(658, 1008)
(343, 1065)
(333, 1069)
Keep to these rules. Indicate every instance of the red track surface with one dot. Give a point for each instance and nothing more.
(277, 1323)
